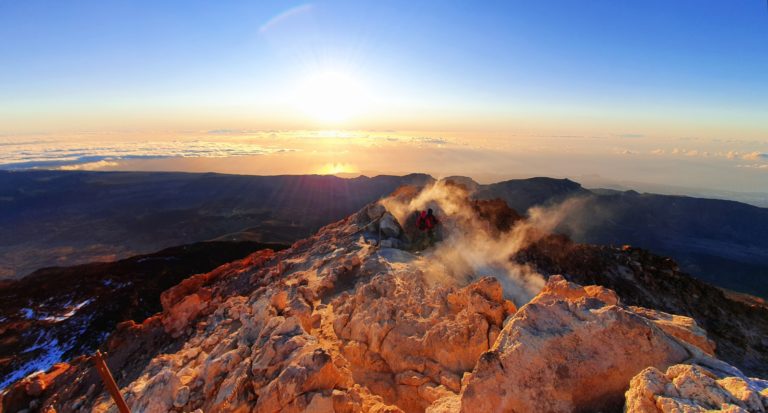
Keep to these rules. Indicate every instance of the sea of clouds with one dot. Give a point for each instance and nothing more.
(93, 153)
(69, 154)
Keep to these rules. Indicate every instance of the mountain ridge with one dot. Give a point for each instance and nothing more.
(338, 322)
(60, 218)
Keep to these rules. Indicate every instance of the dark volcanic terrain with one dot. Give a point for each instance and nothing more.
(60, 218)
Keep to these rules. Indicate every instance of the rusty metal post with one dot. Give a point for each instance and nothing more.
(109, 382)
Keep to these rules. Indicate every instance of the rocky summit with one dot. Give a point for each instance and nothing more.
(368, 316)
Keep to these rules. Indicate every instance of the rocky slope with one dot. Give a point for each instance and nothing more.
(57, 313)
(64, 218)
(738, 326)
(341, 323)
(694, 388)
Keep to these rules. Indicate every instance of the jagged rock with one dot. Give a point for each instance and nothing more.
(684, 328)
(693, 388)
(412, 342)
(391, 243)
(570, 349)
(37, 384)
(153, 392)
(389, 226)
(179, 316)
(447, 404)
(336, 324)
(182, 397)
(375, 211)
(737, 323)
(28, 390)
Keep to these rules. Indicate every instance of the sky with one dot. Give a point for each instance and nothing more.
(642, 94)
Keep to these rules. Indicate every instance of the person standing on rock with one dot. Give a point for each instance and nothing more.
(431, 224)
(426, 224)
(421, 225)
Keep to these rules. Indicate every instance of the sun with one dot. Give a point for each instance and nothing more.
(337, 168)
(330, 97)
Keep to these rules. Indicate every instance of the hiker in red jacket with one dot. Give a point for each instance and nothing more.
(421, 221)
(427, 222)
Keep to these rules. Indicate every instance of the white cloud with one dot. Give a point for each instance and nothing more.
(66, 154)
(89, 166)
(755, 156)
(434, 141)
(693, 152)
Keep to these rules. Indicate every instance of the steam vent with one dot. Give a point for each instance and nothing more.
(491, 313)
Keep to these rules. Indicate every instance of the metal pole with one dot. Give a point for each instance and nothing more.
(109, 382)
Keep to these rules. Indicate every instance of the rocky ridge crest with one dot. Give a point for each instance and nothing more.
(339, 323)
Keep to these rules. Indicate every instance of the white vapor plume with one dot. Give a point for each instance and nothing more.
(470, 248)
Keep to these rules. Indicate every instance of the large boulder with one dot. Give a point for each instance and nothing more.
(571, 348)
(389, 226)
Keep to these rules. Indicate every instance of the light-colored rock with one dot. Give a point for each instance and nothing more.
(692, 388)
(447, 404)
(389, 226)
(182, 313)
(375, 211)
(570, 349)
(412, 342)
(681, 327)
(155, 391)
(743, 394)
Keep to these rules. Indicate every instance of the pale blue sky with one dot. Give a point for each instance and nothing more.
(653, 91)
(648, 60)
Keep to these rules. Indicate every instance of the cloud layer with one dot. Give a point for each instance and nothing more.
(78, 155)
(727, 166)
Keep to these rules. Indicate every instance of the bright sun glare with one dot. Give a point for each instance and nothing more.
(336, 168)
(330, 97)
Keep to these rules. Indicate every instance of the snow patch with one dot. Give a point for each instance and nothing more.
(72, 311)
(51, 349)
(28, 313)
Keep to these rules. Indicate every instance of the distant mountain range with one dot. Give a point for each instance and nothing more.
(718, 241)
(59, 218)
(54, 218)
